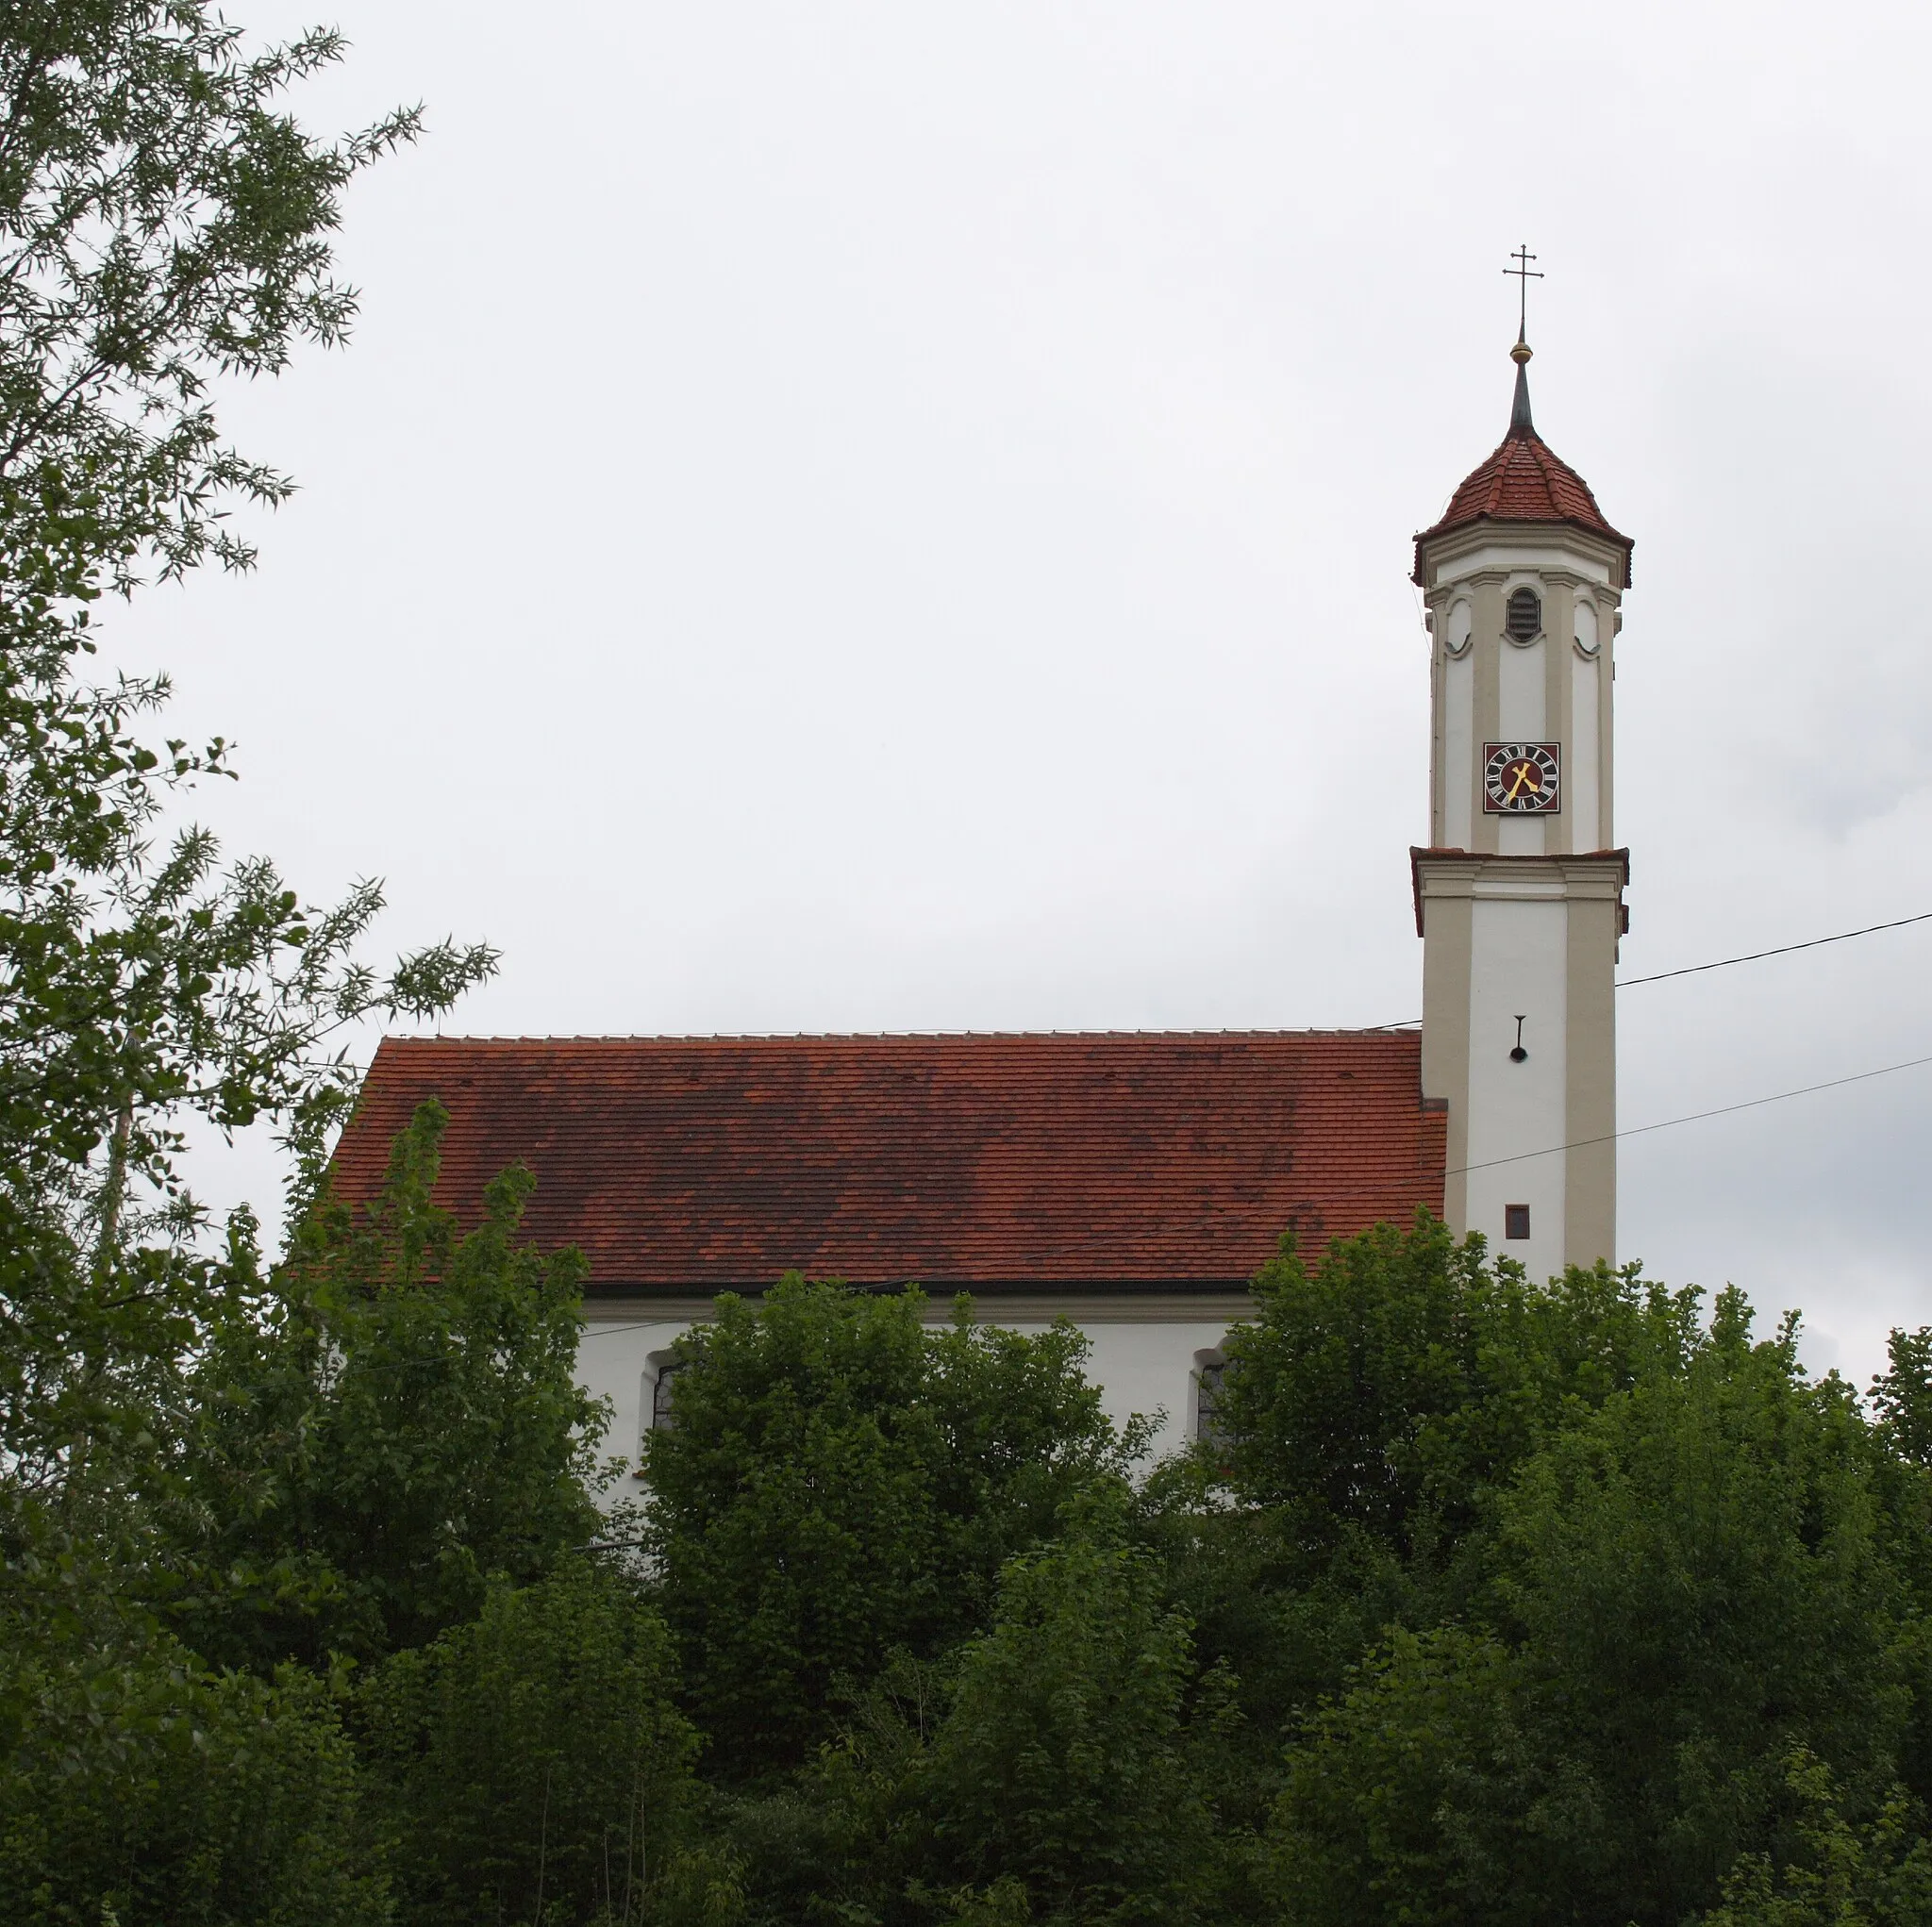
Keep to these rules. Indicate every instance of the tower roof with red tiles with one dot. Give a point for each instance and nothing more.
(1064, 1161)
(1524, 481)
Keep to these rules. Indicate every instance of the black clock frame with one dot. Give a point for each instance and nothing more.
(1501, 756)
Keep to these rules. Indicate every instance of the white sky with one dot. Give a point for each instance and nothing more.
(896, 516)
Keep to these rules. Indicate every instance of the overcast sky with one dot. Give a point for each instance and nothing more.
(897, 517)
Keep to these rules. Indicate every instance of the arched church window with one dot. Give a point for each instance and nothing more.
(1523, 618)
(1209, 1426)
(662, 1415)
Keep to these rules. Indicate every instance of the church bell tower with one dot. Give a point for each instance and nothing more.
(1520, 893)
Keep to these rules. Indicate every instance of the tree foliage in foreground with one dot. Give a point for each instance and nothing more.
(846, 1482)
(385, 1427)
(1504, 1603)
(378, 1444)
(163, 223)
(138, 1786)
(529, 1763)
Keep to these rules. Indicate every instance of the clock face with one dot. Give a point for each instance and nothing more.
(1521, 778)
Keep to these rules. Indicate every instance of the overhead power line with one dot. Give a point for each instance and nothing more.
(1724, 1110)
(1723, 963)
(647, 1324)
(1782, 950)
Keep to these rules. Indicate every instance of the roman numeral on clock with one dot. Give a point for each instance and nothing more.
(1523, 778)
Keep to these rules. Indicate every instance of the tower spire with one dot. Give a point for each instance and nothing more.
(1519, 422)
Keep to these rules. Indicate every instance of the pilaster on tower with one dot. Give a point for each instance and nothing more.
(1519, 890)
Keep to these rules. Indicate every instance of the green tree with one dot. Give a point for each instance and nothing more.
(1059, 1766)
(164, 224)
(1389, 1389)
(1402, 1796)
(136, 1786)
(1375, 1405)
(1680, 1589)
(532, 1764)
(1062, 1765)
(1877, 1875)
(1901, 1406)
(1699, 1580)
(844, 1481)
(384, 1428)
(370, 1442)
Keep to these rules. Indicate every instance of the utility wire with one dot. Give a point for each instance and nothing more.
(1725, 962)
(645, 1324)
(1783, 950)
(1722, 1110)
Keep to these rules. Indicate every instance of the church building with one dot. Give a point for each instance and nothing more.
(1133, 1181)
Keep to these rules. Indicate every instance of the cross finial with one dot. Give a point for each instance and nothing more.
(1524, 274)
(1519, 422)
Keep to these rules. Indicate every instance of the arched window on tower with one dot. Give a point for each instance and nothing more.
(1524, 615)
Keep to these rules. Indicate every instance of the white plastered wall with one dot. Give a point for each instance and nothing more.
(1519, 965)
(617, 1359)
(1141, 1365)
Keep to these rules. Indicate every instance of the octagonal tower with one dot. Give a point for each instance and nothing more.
(1520, 891)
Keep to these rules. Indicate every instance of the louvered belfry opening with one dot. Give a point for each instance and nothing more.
(1524, 619)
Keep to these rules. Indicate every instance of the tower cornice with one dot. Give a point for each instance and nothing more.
(1584, 873)
(1492, 549)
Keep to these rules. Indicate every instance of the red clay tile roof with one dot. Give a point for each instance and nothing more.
(1523, 482)
(1068, 1159)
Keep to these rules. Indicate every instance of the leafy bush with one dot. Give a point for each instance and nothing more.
(843, 1481)
(385, 1427)
(1062, 1765)
(1680, 1585)
(140, 1787)
(531, 1761)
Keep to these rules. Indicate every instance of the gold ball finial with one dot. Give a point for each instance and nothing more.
(1521, 353)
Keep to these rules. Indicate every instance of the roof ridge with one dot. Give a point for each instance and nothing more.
(728, 1036)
